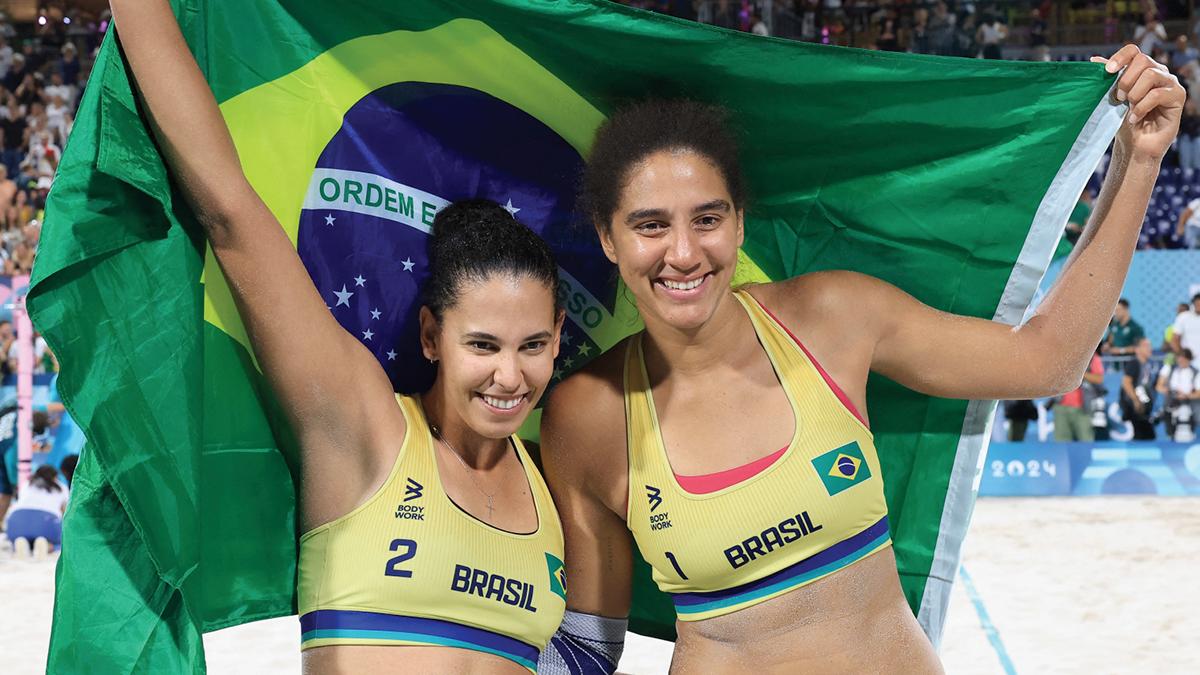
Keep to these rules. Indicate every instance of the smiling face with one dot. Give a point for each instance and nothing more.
(674, 237)
(495, 349)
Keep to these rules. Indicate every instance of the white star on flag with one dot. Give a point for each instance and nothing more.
(584, 349)
(510, 208)
(408, 264)
(557, 374)
(391, 355)
(566, 338)
(367, 334)
(375, 313)
(359, 280)
(568, 362)
(343, 296)
(329, 219)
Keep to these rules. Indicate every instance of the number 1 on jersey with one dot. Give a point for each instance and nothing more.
(675, 564)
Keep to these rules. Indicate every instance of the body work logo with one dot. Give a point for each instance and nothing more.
(404, 152)
(558, 576)
(413, 490)
(842, 468)
(653, 494)
(405, 511)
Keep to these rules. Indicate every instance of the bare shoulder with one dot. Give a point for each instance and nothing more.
(820, 295)
(583, 425)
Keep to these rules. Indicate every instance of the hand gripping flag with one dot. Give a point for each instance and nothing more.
(949, 178)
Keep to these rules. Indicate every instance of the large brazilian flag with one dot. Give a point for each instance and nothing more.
(356, 121)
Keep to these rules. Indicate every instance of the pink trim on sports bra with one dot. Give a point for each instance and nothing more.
(837, 391)
(711, 482)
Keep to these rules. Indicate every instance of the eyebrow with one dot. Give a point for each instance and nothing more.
(644, 214)
(714, 205)
(479, 335)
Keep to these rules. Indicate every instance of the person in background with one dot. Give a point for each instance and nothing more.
(1179, 383)
(1072, 419)
(1137, 391)
(1077, 220)
(1123, 331)
(1188, 146)
(991, 35)
(1187, 329)
(1188, 228)
(1019, 414)
(1169, 336)
(757, 25)
(67, 467)
(1150, 34)
(35, 520)
(1183, 53)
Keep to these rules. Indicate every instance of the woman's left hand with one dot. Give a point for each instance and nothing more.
(1155, 102)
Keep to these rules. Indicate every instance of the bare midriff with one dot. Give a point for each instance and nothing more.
(385, 659)
(853, 621)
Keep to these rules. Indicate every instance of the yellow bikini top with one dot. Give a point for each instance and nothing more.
(409, 567)
(815, 510)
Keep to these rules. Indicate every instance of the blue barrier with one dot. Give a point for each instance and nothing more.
(1108, 467)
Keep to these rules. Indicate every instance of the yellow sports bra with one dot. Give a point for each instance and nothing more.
(815, 510)
(409, 567)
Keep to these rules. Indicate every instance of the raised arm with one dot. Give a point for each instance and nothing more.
(336, 396)
(583, 451)
(959, 357)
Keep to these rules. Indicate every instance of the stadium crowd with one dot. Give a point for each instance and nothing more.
(42, 73)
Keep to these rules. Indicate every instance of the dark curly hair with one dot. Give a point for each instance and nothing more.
(474, 239)
(639, 130)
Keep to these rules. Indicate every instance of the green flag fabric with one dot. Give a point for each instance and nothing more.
(950, 178)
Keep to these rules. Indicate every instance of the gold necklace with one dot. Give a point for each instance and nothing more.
(437, 433)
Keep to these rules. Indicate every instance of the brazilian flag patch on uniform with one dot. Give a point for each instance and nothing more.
(558, 576)
(842, 468)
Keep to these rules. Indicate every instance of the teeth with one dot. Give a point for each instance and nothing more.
(683, 286)
(503, 404)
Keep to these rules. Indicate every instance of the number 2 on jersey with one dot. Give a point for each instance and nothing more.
(409, 550)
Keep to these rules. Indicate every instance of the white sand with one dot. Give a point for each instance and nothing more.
(1072, 585)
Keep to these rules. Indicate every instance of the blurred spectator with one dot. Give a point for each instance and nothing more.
(1123, 331)
(36, 515)
(991, 35)
(1019, 414)
(1079, 217)
(1188, 227)
(1137, 391)
(1183, 53)
(67, 467)
(69, 66)
(1180, 386)
(919, 35)
(889, 32)
(757, 25)
(941, 30)
(41, 356)
(1188, 142)
(1187, 329)
(1037, 30)
(8, 337)
(725, 15)
(1150, 33)
(16, 73)
(8, 457)
(6, 56)
(1169, 335)
(1072, 416)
